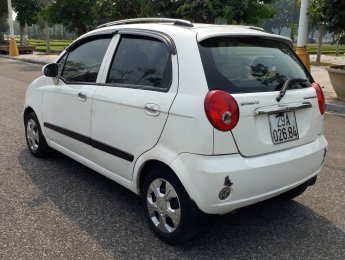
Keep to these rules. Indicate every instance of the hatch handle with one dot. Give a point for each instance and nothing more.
(281, 109)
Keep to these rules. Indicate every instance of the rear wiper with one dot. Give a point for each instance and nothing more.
(286, 85)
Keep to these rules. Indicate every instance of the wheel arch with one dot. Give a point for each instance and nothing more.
(27, 111)
(145, 170)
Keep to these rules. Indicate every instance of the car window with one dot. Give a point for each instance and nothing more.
(83, 62)
(61, 62)
(141, 62)
(250, 64)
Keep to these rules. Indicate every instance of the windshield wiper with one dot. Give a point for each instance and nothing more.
(286, 85)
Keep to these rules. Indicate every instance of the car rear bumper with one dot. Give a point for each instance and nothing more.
(252, 179)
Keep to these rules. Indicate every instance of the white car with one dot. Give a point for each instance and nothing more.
(192, 117)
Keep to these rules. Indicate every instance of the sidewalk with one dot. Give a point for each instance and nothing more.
(320, 75)
(318, 72)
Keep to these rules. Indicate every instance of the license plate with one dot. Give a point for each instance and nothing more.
(283, 127)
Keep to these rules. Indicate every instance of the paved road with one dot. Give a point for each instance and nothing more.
(58, 209)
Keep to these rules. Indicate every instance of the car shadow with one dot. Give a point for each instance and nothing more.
(112, 216)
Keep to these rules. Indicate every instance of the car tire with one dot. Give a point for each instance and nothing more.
(295, 192)
(291, 194)
(171, 214)
(35, 140)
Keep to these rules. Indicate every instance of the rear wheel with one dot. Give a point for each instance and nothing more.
(34, 138)
(170, 212)
(295, 192)
(291, 194)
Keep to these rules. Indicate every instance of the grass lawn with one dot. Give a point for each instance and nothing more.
(55, 45)
(328, 49)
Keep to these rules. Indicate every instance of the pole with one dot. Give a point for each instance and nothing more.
(302, 37)
(13, 50)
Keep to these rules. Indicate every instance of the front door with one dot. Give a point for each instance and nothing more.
(67, 104)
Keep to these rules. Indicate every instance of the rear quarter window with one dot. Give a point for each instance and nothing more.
(250, 64)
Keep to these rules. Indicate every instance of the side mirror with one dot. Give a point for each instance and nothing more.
(51, 70)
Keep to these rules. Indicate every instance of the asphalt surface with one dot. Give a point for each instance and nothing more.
(55, 208)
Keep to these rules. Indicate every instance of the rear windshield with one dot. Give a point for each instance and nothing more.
(250, 64)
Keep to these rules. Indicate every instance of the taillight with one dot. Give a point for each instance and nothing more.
(320, 97)
(221, 110)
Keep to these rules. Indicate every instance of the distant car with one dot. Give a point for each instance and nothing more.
(192, 117)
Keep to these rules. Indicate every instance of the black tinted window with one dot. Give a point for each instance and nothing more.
(250, 64)
(141, 62)
(61, 63)
(83, 62)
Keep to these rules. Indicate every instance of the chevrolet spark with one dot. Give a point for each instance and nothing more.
(194, 118)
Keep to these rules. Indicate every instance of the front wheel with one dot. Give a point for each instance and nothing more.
(168, 208)
(34, 138)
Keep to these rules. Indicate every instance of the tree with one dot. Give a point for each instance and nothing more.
(311, 29)
(132, 8)
(27, 13)
(3, 28)
(249, 11)
(75, 14)
(206, 11)
(282, 17)
(123, 9)
(83, 15)
(293, 23)
(201, 11)
(45, 17)
(340, 41)
(3, 8)
(166, 8)
(234, 11)
(3, 16)
(329, 15)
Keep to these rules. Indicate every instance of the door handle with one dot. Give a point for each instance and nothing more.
(82, 96)
(152, 109)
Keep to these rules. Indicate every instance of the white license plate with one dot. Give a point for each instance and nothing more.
(283, 127)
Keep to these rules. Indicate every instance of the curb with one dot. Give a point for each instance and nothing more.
(332, 107)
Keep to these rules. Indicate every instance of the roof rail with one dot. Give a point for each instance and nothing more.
(178, 22)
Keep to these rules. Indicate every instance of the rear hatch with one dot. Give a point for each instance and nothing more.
(254, 69)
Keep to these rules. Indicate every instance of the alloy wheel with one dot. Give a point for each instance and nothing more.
(163, 205)
(32, 135)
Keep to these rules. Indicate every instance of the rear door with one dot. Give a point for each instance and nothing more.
(131, 107)
(253, 70)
